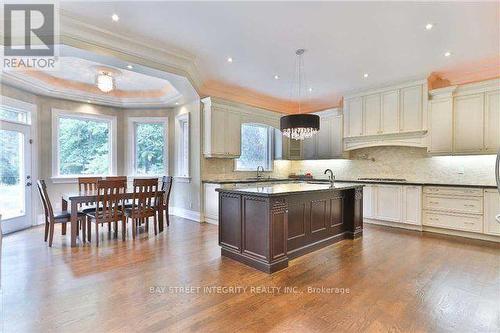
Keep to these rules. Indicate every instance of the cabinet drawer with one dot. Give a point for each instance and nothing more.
(466, 191)
(472, 223)
(473, 205)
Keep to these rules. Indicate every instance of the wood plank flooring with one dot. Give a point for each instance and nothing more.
(397, 281)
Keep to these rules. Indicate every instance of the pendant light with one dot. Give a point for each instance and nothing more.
(105, 82)
(299, 126)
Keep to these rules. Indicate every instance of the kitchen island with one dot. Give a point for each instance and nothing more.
(266, 226)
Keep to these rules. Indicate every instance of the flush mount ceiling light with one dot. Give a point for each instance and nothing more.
(429, 26)
(447, 54)
(299, 126)
(115, 18)
(105, 82)
(365, 75)
(229, 59)
(276, 77)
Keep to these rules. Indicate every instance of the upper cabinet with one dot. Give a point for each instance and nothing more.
(327, 143)
(222, 130)
(465, 119)
(389, 116)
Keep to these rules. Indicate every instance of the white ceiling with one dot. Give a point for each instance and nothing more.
(344, 40)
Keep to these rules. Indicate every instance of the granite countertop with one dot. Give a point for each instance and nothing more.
(288, 188)
(289, 180)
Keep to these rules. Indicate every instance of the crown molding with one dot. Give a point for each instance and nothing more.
(46, 91)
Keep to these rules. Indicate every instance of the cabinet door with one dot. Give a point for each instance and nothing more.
(211, 201)
(368, 199)
(390, 112)
(491, 211)
(337, 136)
(468, 123)
(492, 122)
(412, 205)
(309, 147)
(232, 138)
(389, 202)
(441, 126)
(355, 116)
(372, 114)
(218, 133)
(411, 109)
(294, 149)
(324, 138)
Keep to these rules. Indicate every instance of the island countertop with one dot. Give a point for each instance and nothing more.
(289, 188)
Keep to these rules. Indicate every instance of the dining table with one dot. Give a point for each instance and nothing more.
(75, 198)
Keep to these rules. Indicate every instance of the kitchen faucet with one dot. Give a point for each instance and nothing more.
(259, 168)
(331, 177)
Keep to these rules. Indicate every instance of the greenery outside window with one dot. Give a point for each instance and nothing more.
(256, 147)
(83, 144)
(149, 146)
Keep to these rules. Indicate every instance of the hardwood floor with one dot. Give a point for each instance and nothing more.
(398, 281)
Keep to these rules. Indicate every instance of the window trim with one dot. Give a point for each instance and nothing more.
(179, 120)
(131, 122)
(56, 115)
(270, 149)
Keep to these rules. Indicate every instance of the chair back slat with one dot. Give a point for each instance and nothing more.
(44, 196)
(87, 185)
(166, 187)
(118, 178)
(145, 196)
(109, 200)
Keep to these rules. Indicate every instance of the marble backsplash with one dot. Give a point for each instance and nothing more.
(412, 164)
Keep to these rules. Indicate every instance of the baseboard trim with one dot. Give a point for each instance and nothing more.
(211, 220)
(393, 224)
(185, 213)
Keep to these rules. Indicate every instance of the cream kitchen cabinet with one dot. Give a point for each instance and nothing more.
(440, 137)
(211, 202)
(393, 203)
(390, 112)
(372, 114)
(491, 212)
(492, 122)
(354, 118)
(468, 123)
(222, 130)
(411, 115)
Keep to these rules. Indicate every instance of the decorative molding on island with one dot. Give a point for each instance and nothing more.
(265, 227)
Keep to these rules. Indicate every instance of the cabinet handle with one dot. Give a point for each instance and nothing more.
(469, 223)
(433, 219)
(469, 205)
(434, 202)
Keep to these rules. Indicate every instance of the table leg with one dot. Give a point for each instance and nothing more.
(74, 211)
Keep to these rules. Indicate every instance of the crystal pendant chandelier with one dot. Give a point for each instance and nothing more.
(299, 126)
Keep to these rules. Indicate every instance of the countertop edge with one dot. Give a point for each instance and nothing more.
(243, 191)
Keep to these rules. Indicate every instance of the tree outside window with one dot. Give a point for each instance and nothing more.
(255, 147)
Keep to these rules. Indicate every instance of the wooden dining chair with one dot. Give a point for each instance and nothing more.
(144, 204)
(118, 178)
(51, 217)
(166, 187)
(87, 184)
(108, 208)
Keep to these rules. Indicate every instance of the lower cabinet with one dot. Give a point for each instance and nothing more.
(211, 202)
(393, 203)
(491, 212)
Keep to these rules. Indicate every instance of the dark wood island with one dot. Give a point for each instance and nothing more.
(264, 227)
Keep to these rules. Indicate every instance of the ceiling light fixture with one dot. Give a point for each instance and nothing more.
(310, 89)
(176, 103)
(365, 75)
(229, 59)
(429, 26)
(130, 66)
(105, 82)
(276, 77)
(299, 126)
(115, 17)
(447, 54)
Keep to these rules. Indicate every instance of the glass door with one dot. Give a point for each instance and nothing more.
(15, 176)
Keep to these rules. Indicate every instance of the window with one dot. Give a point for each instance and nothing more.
(256, 143)
(84, 144)
(182, 138)
(14, 110)
(149, 148)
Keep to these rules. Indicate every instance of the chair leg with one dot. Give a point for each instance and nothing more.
(46, 231)
(134, 225)
(51, 233)
(89, 228)
(63, 229)
(124, 227)
(97, 234)
(109, 227)
(167, 216)
(155, 223)
(83, 227)
(147, 224)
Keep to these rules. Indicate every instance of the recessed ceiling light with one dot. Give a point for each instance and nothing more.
(365, 75)
(447, 54)
(115, 18)
(176, 103)
(229, 59)
(88, 101)
(310, 89)
(276, 77)
(130, 66)
(429, 26)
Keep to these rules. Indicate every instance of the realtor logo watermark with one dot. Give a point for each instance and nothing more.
(30, 33)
